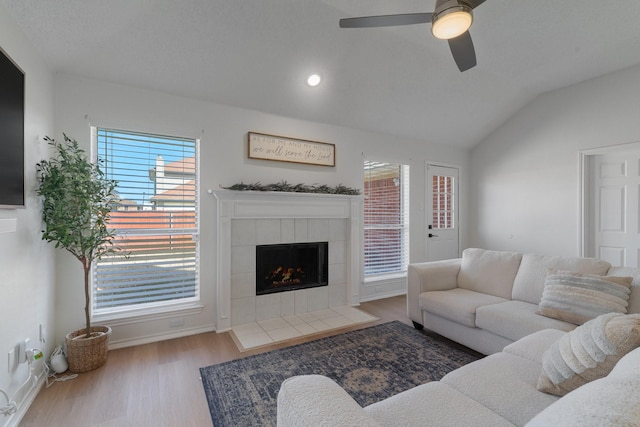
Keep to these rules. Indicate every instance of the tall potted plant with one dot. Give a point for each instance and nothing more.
(77, 202)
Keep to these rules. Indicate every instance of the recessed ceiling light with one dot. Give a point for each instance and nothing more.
(313, 80)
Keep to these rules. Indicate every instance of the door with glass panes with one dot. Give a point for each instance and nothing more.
(441, 199)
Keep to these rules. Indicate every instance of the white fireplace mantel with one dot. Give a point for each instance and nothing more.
(232, 205)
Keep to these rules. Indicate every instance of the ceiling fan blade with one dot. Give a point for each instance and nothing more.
(473, 3)
(463, 51)
(386, 20)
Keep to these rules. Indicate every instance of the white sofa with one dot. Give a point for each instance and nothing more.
(498, 390)
(486, 300)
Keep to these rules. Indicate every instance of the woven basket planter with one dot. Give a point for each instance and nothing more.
(86, 354)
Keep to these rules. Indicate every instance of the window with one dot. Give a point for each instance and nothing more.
(386, 218)
(156, 222)
(443, 196)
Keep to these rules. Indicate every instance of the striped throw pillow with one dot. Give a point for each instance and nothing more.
(577, 298)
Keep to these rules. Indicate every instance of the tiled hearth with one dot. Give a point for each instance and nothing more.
(265, 332)
(247, 219)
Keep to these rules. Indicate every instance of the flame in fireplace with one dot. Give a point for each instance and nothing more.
(284, 276)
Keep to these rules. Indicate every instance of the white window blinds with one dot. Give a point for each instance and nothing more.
(156, 221)
(386, 218)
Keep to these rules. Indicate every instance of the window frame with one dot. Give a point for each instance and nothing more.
(443, 204)
(404, 227)
(159, 309)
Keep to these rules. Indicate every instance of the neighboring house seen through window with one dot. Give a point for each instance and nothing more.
(386, 218)
(156, 222)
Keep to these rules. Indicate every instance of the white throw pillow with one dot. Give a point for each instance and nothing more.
(606, 402)
(588, 352)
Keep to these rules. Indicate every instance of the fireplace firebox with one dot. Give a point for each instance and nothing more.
(291, 266)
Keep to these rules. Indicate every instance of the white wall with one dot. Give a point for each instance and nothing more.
(525, 181)
(26, 262)
(81, 103)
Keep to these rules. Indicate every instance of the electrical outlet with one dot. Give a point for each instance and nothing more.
(11, 360)
(22, 353)
(176, 322)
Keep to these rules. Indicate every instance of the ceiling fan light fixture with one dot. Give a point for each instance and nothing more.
(452, 22)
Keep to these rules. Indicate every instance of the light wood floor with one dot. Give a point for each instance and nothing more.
(158, 384)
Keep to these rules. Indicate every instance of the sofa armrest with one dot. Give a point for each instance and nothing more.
(429, 276)
(315, 400)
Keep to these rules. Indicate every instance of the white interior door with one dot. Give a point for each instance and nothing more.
(441, 199)
(615, 179)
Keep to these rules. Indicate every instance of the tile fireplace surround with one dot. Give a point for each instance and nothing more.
(245, 219)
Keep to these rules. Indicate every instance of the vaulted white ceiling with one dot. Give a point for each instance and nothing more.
(400, 81)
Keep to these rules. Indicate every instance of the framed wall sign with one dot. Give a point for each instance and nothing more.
(283, 149)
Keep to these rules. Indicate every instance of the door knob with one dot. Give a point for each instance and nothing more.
(433, 235)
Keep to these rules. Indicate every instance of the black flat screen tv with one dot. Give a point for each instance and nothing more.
(11, 134)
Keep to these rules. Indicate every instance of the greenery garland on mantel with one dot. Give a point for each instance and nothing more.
(284, 186)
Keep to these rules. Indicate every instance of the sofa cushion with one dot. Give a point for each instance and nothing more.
(434, 404)
(458, 305)
(533, 346)
(588, 352)
(577, 297)
(516, 319)
(489, 272)
(529, 282)
(504, 383)
(609, 401)
(634, 298)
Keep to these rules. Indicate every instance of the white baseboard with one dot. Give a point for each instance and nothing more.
(383, 295)
(130, 342)
(25, 404)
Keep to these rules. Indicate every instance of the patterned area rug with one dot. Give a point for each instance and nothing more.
(371, 364)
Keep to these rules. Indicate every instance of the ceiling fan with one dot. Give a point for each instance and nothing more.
(450, 21)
